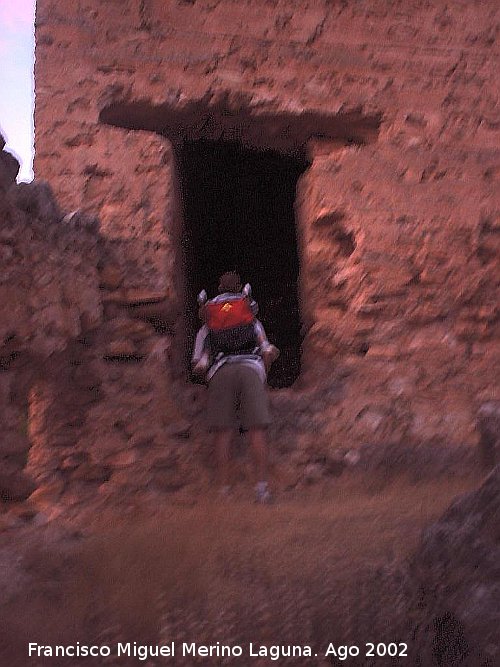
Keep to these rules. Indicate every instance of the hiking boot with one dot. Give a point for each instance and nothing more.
(224, 491)
(262, 494)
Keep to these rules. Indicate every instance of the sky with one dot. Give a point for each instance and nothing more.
(16, 80)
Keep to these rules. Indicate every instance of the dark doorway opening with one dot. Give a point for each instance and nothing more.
(239, 215)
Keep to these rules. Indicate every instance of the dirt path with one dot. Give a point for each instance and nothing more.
(322, 565)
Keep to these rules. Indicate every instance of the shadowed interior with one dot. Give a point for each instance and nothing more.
(239, 215)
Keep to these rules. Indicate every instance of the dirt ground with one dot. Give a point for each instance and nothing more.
(322, 566)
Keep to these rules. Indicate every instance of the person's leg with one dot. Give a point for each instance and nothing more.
(221, 418)
(258, 447)
(222, 445)
(256, 417)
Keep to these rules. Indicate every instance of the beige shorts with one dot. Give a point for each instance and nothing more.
(237, 397)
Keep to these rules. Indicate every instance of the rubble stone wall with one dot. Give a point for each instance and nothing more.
(398, 227)
(84, 389)
(49, 295)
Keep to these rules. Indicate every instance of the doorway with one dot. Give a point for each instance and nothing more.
(238, 211)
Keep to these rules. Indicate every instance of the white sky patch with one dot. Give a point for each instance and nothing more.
(14, 13)
(17, 45)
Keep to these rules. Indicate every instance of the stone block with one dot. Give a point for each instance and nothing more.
(9, 168)
(37, 200)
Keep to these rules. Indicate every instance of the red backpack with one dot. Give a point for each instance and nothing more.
(231, 324)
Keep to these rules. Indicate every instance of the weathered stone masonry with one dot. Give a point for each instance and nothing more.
(397, 216)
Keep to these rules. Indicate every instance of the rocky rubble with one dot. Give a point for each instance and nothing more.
(9, 167)
(46, 297)
(83, 386)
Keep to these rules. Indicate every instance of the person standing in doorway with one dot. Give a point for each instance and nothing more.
(232, 352)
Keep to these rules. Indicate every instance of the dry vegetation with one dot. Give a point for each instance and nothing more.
(322, 565)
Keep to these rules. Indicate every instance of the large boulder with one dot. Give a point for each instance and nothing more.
(455, 583)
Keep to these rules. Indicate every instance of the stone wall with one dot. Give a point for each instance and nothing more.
(84, 392)
(48, 296)
(397, 216)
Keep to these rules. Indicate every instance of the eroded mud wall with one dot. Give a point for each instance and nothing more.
(399, 229)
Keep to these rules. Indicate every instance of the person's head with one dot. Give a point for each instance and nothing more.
(229, 282)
